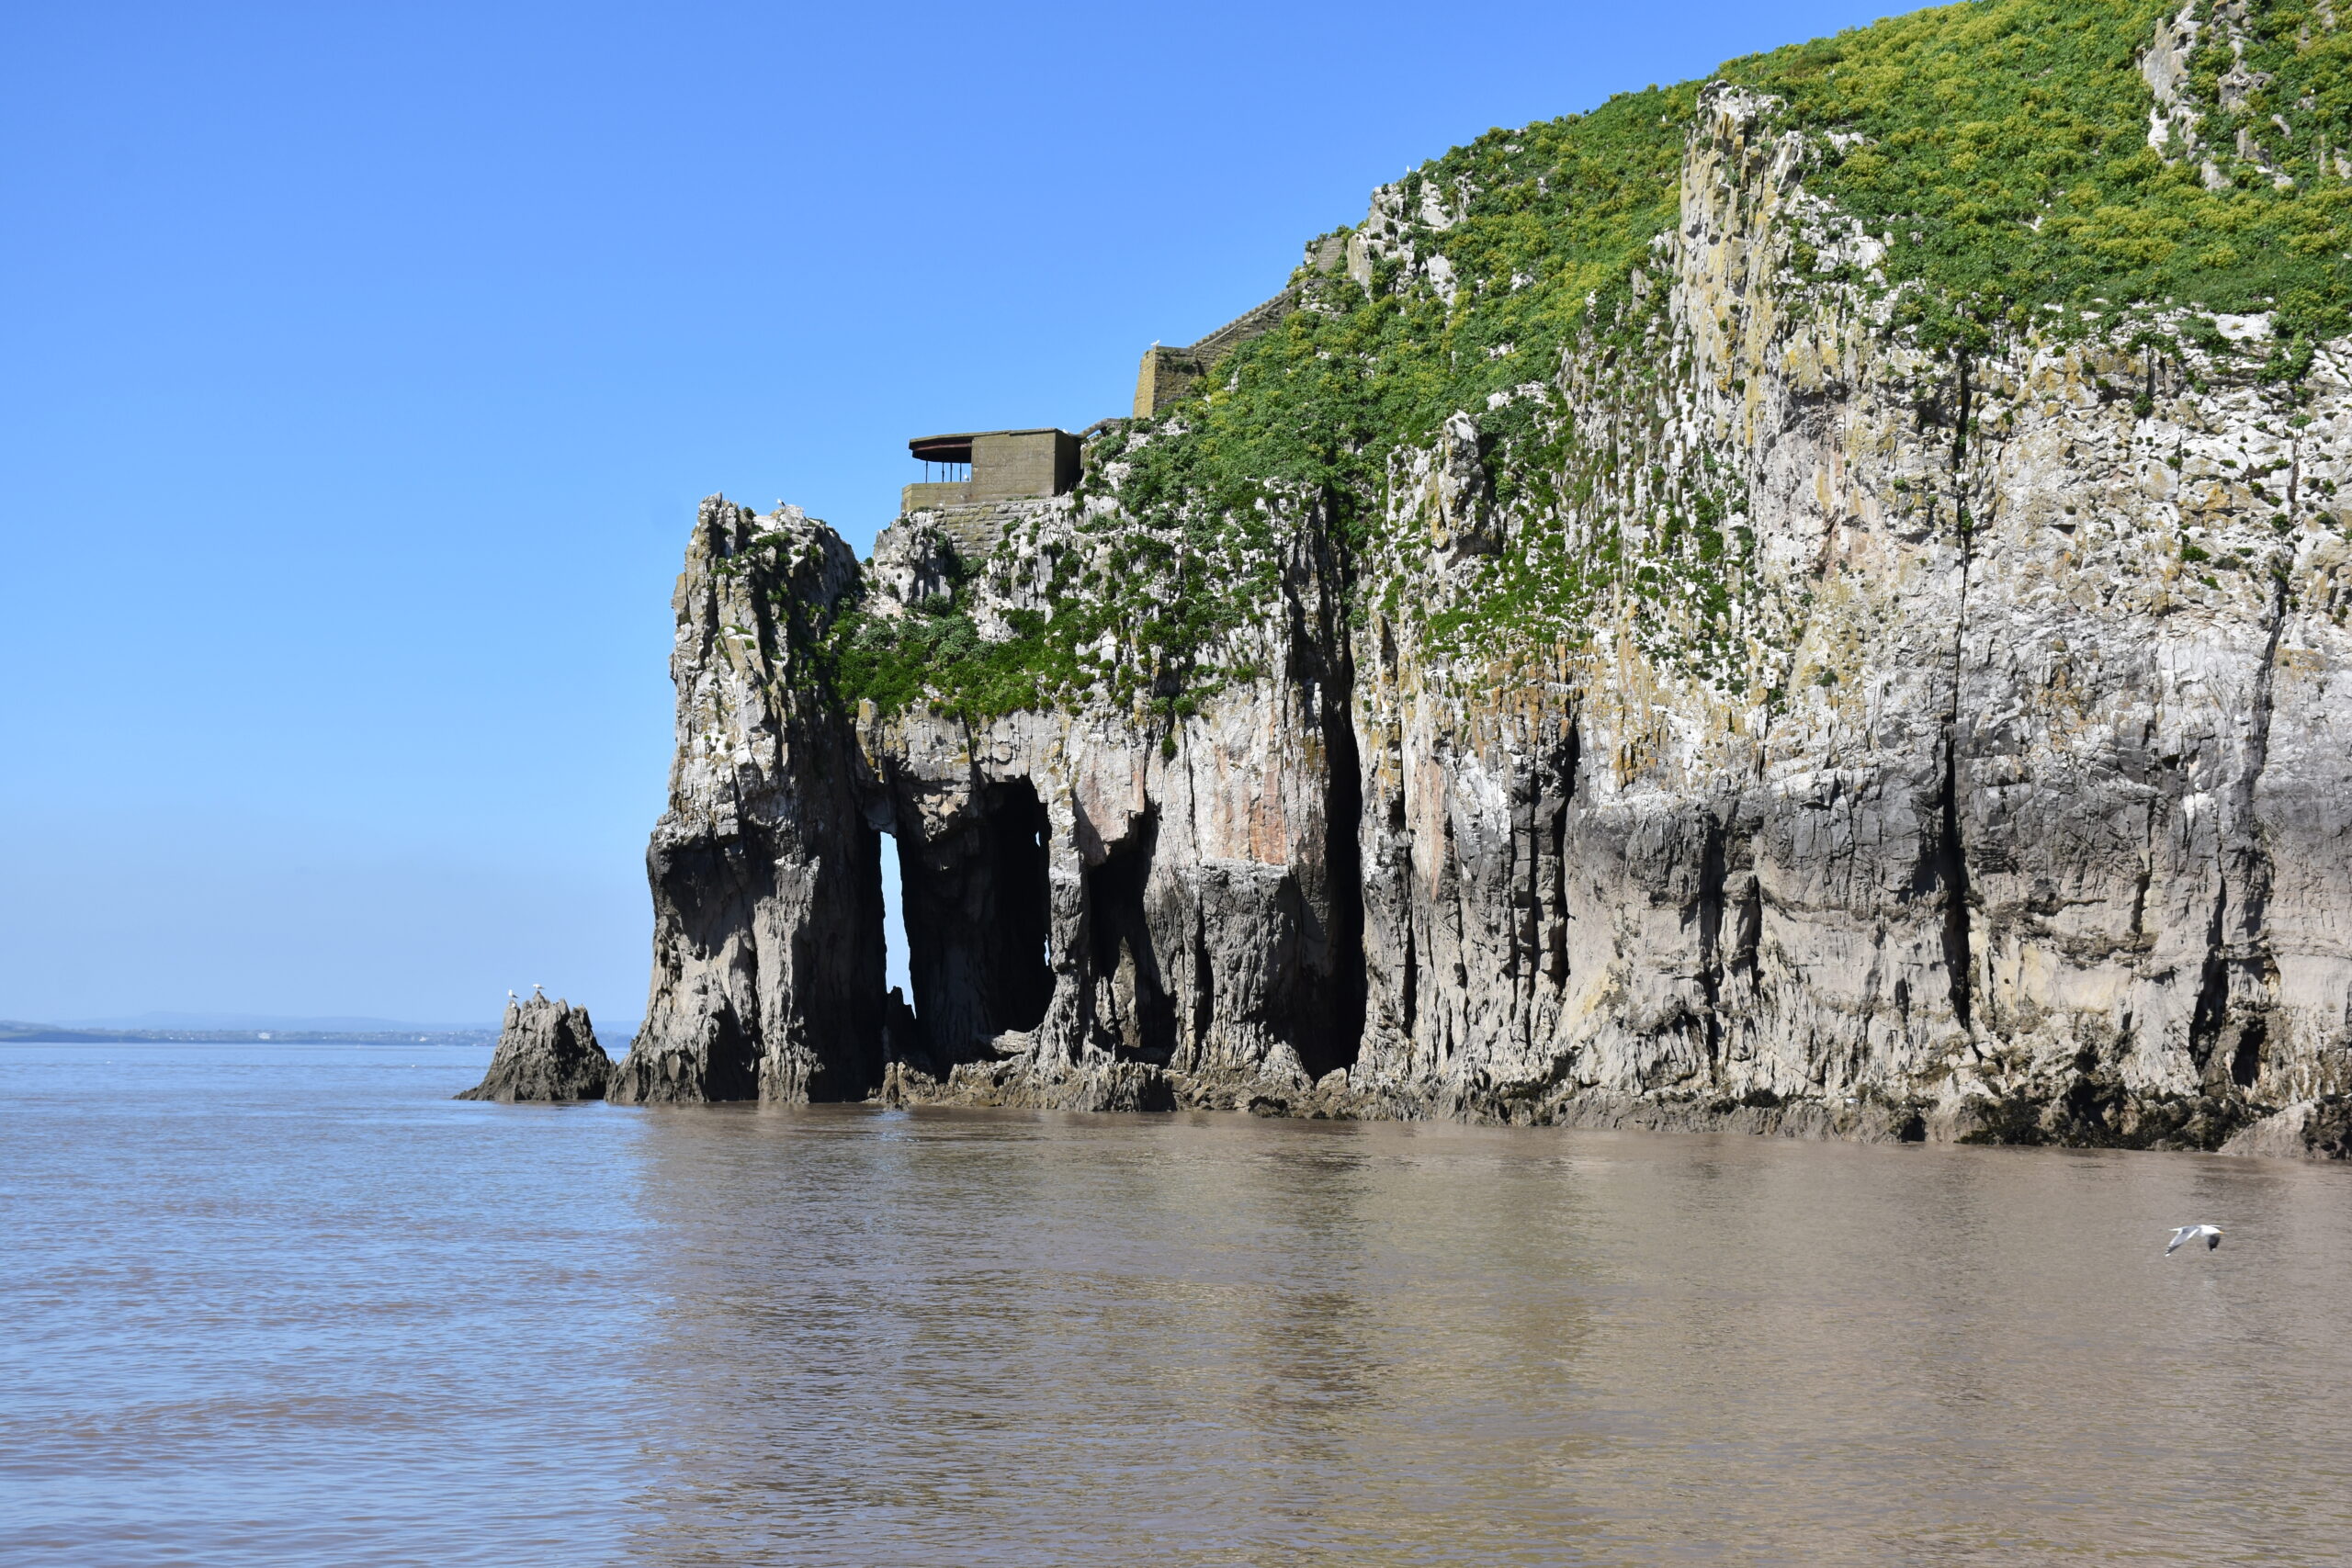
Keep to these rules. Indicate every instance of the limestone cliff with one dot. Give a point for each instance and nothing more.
(1764, 702)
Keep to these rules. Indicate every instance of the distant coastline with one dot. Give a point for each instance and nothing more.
(18, 1031)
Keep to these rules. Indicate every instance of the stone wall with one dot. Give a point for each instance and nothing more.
(1168, 374)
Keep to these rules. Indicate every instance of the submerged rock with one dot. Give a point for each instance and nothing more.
(546, 1051)
(2309, 1129)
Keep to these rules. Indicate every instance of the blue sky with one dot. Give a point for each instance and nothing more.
(364, 365)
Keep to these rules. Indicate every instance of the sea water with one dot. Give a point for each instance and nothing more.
(291, 1304)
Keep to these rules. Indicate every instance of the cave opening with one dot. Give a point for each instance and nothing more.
(1133, 1002)
(1017, 932)
(904, 1038)
(974, 915)
(1342, 1042)
(2246, 1062)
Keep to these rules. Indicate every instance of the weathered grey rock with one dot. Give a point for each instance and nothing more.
(2309, 1129)
(546, 1051)
(767, 933)
(914, 564)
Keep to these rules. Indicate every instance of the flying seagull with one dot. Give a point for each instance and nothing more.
(2209, 1235)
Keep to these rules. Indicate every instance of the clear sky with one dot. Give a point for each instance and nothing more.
(362, 365)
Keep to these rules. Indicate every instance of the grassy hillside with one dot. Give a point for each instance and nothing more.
(2003, 151)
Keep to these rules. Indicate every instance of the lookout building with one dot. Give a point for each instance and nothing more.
(993, 465)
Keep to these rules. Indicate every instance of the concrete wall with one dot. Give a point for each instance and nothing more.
(932, 497)
(1015, 465)
(1007, 465)
(1168, 374)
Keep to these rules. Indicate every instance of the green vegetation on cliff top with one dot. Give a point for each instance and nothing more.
(2000, 148)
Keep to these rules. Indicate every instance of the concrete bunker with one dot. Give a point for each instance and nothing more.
(986, 466)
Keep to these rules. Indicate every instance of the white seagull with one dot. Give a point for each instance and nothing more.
(2209, 1235)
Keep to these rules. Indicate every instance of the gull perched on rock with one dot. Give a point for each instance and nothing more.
(2209, 1235)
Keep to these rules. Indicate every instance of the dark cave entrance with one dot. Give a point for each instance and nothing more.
(2246, 1062)
(1335, 1039)
(1133, 1003)
(977, 906)
(1018, 932)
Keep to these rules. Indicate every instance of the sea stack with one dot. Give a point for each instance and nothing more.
(546, 1051)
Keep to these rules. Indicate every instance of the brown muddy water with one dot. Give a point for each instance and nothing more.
(290, 1304)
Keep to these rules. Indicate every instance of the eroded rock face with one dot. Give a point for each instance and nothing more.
(1083, 889)
(546, 1051)
(767, 937)
(1994, 783)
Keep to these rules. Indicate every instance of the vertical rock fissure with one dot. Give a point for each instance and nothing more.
(1343, 854)
(1409, 1002)
(2241, 954)
(1141, 1014)
(903, 1037)
(1538, 946)
(1960, 433)
(1203, 991)
(1952, 872)
(1317, 589)
(2212, 984)
(1952, 858)
(1571, 772)
(1710, 950)
(2247, 1062)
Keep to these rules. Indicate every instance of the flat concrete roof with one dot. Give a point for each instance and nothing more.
(958, 449)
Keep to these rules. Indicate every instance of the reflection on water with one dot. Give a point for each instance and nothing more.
(293, 1305)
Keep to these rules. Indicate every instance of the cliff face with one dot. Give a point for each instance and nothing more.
(2038, 829)
(1766, 713)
